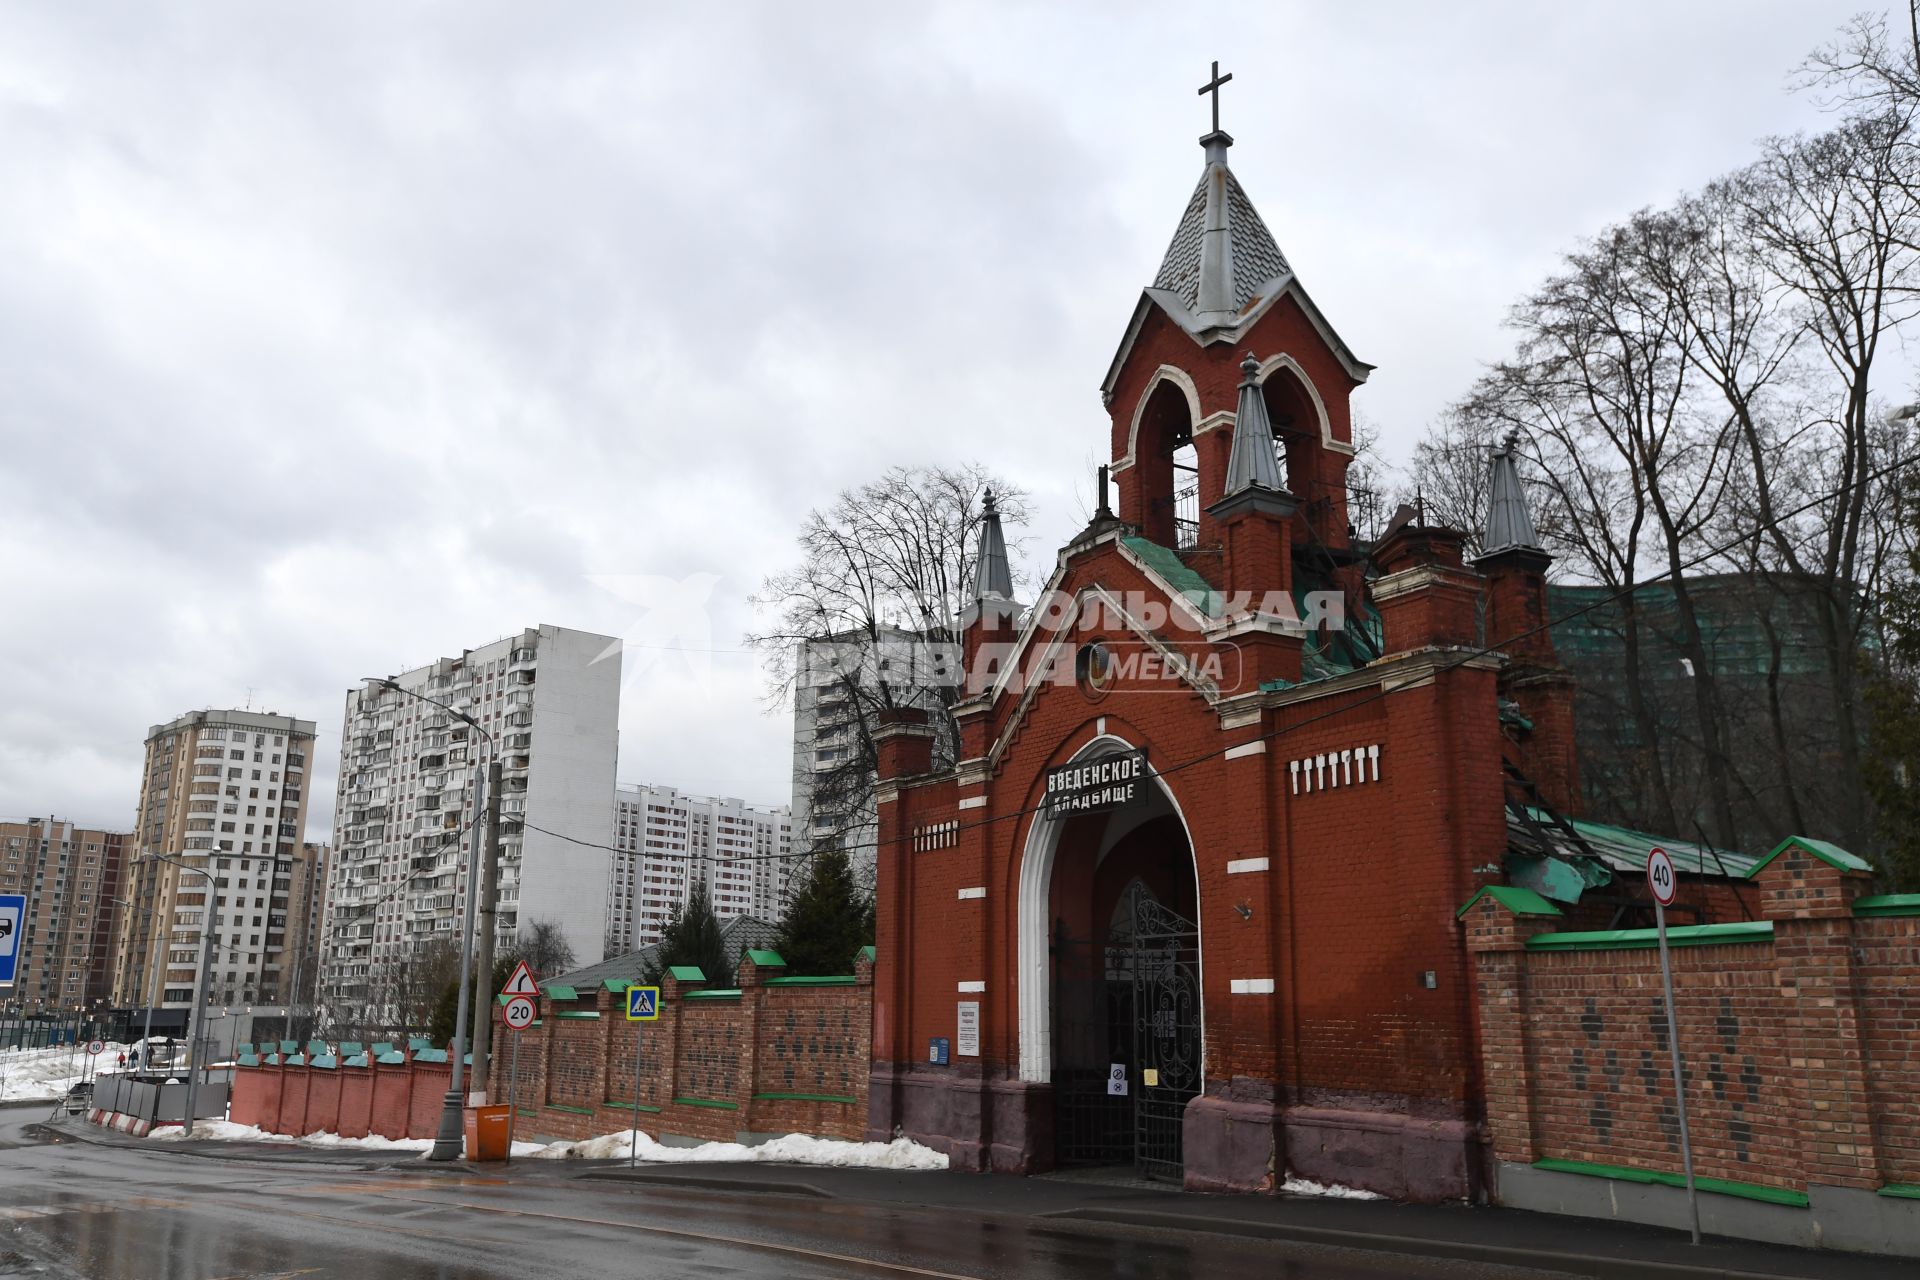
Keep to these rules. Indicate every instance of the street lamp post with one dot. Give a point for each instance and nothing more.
(448, 1141)
(196, 1024)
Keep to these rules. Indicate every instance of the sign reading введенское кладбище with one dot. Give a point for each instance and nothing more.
(1095, 786)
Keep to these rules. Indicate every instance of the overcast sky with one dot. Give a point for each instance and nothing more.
(336, 338)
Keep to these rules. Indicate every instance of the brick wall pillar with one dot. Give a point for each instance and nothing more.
(1807, 888)
(752, 982)
(1497, 923)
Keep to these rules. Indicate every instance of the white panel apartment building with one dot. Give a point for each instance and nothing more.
(550, 699)
(836, 691)
(668, 841)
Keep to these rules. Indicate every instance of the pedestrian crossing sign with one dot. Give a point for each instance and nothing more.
(643, 1003)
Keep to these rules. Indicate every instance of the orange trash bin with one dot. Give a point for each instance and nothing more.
(487, 1132)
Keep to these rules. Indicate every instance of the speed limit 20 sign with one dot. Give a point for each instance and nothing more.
(519, 1013)
(1661, 882)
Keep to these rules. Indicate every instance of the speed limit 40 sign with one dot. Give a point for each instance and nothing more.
(1661, 882)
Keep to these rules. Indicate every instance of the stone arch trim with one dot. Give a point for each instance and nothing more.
(1165, 373)
(1281, 360)
(1034, 927)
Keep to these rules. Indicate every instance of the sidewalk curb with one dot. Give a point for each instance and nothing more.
(1417, 1246)
(295, 1154)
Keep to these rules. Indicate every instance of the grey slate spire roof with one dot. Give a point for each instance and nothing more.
(1508, 523)
(1223, 272)
(1253, 462)
(992, 575)
(1222, 254)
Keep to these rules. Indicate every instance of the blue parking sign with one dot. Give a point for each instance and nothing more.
(643, 1003)
(13, 918)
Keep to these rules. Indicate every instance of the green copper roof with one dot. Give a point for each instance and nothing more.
(1829, 853)
(1522, 902)
(1174, 571)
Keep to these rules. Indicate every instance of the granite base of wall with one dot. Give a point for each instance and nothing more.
(1833, 1217)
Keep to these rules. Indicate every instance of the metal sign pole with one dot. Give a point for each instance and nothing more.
(633, 1151)
(513, 1094)
(1679, 1085)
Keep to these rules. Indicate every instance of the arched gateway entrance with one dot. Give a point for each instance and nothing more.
(1110, 1006)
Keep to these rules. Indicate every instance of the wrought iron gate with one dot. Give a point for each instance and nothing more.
(1165, 963)
(1132, 998)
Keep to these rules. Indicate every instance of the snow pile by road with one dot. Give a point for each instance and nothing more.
(228, 1131)
(41, 1075)
(795, 1148)
(224, 1130)
(1331, 1191)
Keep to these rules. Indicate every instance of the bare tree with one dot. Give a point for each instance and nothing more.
(1834, 221)
(543, 945)
(867, 622)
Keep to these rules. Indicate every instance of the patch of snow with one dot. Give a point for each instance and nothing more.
(42, 1075)
(228, 1131)
(1332, 1191)
(220, 1130)
(372, 1142)
(794, 1148)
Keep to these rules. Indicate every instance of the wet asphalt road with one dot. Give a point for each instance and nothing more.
(74, 1209)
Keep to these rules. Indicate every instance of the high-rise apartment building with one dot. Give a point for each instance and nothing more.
(224, 794)
(547, 703)
(667, 842)
(70, 877)
(841, 685)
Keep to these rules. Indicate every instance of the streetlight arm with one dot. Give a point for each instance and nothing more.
(394, 686)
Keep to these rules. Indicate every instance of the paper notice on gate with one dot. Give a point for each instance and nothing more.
(1150, 1077)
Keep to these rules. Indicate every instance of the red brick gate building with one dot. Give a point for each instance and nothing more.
(1187, 899)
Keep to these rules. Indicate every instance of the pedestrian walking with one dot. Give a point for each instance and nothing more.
(123, 1060)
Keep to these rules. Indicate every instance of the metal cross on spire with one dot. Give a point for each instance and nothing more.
(1213, 87)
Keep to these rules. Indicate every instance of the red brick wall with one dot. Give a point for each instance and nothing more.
(1802, 1058)
(707, 1067)
(356, 1102)
(1889, 973)
(1602, 1071)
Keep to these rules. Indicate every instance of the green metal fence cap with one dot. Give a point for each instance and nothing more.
(687, 973)
(559, 991)
(1825, 850)
(1888, 904)
(766, 959)
(1522, 902)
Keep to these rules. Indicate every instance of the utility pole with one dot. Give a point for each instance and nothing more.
(483, 965)
(447, 1143)
(200, 996)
